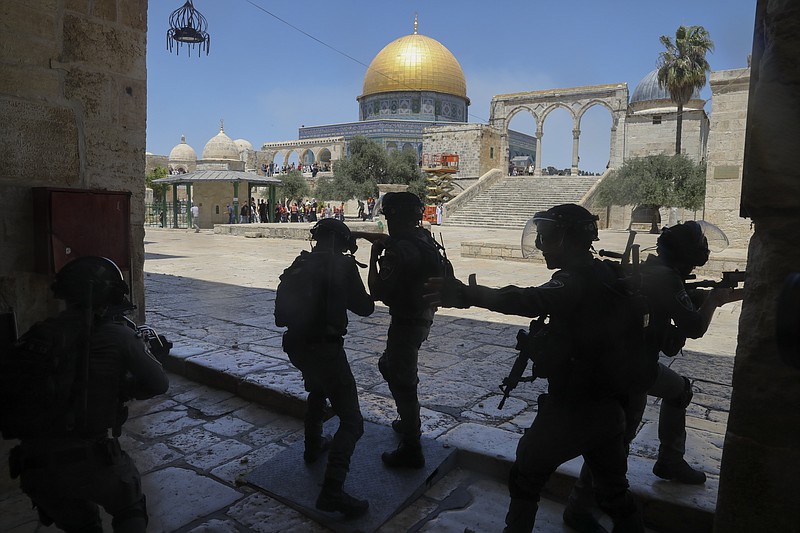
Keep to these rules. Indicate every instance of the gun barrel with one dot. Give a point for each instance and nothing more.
(371, 236)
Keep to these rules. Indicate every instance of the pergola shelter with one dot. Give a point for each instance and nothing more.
(236, 178)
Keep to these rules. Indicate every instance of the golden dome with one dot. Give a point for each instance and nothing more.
(415, 63)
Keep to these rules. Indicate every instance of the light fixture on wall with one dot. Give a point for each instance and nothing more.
(188, 26)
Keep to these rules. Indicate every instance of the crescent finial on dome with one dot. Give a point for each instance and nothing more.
(222, 125)
(416, 23)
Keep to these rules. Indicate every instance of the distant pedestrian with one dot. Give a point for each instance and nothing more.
(195, 217)
(231, 217)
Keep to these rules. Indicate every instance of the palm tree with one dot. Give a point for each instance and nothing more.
(682, 68)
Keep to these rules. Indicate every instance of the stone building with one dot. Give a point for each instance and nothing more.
(729, 90)
(651, 122)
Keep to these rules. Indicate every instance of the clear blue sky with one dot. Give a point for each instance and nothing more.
(266, 79)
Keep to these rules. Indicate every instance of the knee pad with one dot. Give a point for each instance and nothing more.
(683, 400)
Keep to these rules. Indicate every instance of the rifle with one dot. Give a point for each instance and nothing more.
(730, 280)
(514, 377)
(371, 236)
(158, 344)
(629, 256)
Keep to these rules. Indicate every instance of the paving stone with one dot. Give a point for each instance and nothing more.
(177, 496)
(161, 423)
(229, 426)
(217, 454)
(193, 440)
(207, 395)
(234, 471)
(148, 457)
(152, 405)
(220, 408)
(275, 431)
(263, 514)
(216, 526)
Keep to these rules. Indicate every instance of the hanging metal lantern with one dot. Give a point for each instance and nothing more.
(188, 26)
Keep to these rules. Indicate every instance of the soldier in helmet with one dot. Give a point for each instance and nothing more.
(578, 415)
(399, 267)
(69, 471)
(674, 317)
(313, 298)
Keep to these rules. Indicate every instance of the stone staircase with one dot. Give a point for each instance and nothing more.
(513, 200)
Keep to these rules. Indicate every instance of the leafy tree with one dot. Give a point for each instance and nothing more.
(682, 68)
(294, 185)
(368, 164)
(158, 188)
(655, 180)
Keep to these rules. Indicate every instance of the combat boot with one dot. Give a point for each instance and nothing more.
(397, 425)
(582, 521)
(315, 448)
(679, 471)
(332, 498)
(405, 456)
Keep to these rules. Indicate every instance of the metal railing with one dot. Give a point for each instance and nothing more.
(155, 216)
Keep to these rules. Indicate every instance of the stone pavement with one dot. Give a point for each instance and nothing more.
(212, 295)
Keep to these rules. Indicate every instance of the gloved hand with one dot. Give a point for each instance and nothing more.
(447, 292)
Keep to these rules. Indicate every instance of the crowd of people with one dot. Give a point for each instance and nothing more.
(596, 341)
(299, 210)
(272, 169)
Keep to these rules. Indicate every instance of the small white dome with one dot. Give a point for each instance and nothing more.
(221, 147)
(183, 152)
(242, 145)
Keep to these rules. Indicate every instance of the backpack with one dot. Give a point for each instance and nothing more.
(40, 383)
(408, 294)
(301, 296)
(626, 366)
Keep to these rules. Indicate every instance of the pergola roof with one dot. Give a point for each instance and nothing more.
(229, 176)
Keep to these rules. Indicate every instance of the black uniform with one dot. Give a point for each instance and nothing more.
(319, 354)
(68, 476)
(410, 258)
(579, 415)
(673, 318)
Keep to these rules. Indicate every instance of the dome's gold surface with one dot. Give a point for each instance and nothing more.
(415, 63)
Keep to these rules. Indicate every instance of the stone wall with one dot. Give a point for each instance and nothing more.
(477, 145)
(213, 198)
(73, 92)
(643, 137)
(729, 89)
(761, 455)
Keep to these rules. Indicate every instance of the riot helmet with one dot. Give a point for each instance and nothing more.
(336, 231)
(568, 224)
(404, 206)
(91, 275)
(684, 245)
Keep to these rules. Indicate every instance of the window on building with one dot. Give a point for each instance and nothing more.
(491, 152)
(656, 119)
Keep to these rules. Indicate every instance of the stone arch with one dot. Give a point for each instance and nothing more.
(332, 148)
(324, 157)
(577, 100)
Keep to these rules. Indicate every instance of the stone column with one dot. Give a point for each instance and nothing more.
(761, 455)
(537, 168)
(576, 135)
